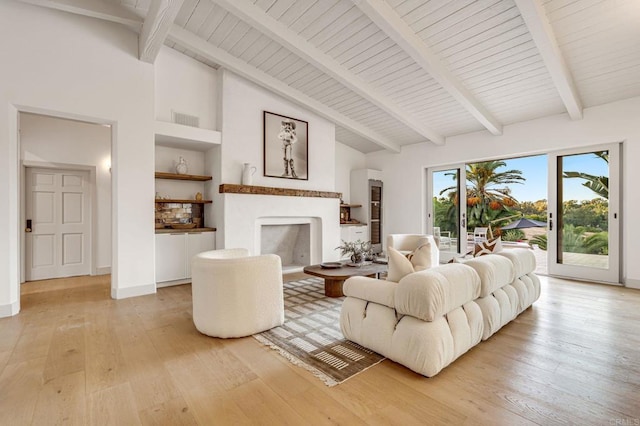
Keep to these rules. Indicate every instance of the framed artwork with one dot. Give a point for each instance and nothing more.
(286, 147)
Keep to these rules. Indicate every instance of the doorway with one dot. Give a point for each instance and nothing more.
(66, 194)
(571, 220)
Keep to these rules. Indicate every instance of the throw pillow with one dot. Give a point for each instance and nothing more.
(487, 247)
(400, 265)
(421, 257)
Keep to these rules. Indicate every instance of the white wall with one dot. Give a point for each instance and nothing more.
(347, 159)
(241, 122)
(404, 173)
(242, 136)
(52, 140)
(187, 86)
(75, 67)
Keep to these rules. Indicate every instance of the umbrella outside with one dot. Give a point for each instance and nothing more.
(524, 223)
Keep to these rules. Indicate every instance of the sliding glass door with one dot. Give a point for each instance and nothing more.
(446, 215)
(584, 214)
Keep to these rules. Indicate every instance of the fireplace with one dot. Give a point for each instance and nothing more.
(292, 242)
(261, 219)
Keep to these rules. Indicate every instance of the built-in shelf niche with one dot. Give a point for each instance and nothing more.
(345, 213)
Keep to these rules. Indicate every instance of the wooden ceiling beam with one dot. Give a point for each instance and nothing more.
(388, 20)
(327, 64)
(536, 20)
(192, 42)
(156, 27)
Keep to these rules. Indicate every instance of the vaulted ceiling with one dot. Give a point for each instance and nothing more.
(397, 72)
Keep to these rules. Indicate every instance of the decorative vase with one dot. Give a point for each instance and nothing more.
(357, 258)
(247, 173)
(198, 196)
(181, 167)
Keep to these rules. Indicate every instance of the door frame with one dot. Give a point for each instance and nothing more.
(93, 205)
(612, 275)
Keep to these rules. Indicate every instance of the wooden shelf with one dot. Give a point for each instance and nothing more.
(175, 176)
(230, 188)
(172, 200)
(351, 205)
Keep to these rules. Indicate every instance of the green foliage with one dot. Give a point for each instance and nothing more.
(512, 235)
(592, 214)
(597, 243)
(574, 240)
(357, 247)
(540, 240)
(597, 184)
(445, 215)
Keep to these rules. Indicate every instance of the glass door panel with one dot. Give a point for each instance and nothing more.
(583, 214)
(446, 219)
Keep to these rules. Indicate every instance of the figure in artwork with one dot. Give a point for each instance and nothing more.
(288, 137)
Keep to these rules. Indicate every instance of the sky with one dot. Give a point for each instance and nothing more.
(535, 170)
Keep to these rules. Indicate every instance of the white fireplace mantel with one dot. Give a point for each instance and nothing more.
(245, 212)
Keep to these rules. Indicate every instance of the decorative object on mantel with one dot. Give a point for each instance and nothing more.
(286, 147)
(358, 251)
(230, 188)
(181, 167)
(198, 196)
(247, 173)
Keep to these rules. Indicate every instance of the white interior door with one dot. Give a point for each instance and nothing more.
(58, 231)
(446, 216)
(584, 243)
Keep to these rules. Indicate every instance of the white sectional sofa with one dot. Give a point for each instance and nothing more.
(431, 317)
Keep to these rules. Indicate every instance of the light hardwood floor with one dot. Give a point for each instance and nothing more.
(75, 356)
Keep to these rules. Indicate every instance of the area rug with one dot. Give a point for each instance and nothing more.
(311, 338)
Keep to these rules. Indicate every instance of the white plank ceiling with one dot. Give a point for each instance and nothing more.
(398, 72)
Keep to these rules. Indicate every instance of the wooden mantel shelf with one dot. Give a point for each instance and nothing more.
(229, 188)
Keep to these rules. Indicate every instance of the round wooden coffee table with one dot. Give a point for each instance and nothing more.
(335, 277)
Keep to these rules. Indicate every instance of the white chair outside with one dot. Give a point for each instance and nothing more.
(444, 238)
(480, 234)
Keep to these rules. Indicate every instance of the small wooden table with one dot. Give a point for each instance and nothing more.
(334, 278)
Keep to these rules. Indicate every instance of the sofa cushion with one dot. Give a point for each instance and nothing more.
(371, 290)
(433, 292)
(401, 265)
(524, 261)
(494, 272)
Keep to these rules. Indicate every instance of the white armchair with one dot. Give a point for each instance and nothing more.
(235, 294)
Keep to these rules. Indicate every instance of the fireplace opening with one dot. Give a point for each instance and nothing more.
(292, 242)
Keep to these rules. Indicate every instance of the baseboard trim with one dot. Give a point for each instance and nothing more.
(140, 290)
(9, 310)
(103, 271)
(632, 283)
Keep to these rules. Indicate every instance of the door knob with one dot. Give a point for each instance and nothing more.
(28, 228)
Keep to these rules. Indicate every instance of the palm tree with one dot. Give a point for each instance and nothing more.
(598, 184)
(488, 197)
